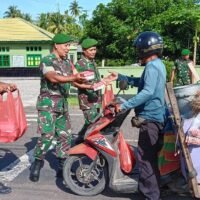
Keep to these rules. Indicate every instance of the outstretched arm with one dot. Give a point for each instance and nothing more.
(82, 85)
(133, 81)
(53, 77)
(150, 81)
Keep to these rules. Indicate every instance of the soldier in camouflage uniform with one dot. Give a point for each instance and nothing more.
(181, 70)
(53, 117)
(90, 101)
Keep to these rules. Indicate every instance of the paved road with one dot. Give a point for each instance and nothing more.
(15, 160)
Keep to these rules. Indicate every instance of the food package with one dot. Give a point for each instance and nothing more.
(98, 86)
(88, 75)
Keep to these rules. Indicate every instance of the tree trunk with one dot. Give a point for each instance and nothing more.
(195, 48)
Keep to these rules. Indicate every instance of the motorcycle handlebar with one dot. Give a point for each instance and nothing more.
(112, 108)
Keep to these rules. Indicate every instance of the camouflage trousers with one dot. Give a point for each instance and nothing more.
(90, 114)
(53, 126)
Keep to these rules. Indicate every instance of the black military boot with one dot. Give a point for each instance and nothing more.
(35, 170)
(81, 135)
(61, 162)
(4, 189)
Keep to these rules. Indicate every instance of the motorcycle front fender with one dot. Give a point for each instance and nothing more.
(83, 149)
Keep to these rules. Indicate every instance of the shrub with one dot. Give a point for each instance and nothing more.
(114, 62)
(168, 64)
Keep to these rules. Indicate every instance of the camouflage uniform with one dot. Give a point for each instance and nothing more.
(52, 106)
(183, 76)
(90, 101)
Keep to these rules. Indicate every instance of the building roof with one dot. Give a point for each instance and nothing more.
(20, 30)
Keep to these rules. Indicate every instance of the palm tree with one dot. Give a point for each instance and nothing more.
(83, 18)
(43, 20)
(27, 17)
(68, 18)
(56, 23)
(75, 9)
(12, 12)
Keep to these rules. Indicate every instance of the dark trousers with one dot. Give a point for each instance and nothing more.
(150, 142)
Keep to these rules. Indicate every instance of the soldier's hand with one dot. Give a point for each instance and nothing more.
(80, 79)
(112, 77)
(106, 81)
(11, 87)
(3, 88)
(118, 108)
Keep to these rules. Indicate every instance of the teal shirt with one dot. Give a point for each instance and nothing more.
(149, 103)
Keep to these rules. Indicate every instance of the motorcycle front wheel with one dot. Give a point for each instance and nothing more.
(83, 178)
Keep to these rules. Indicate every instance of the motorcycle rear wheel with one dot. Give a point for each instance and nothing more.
(76, 177)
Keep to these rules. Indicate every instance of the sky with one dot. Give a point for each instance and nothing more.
(35, 7)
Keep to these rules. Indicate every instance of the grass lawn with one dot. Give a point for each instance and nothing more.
(73, 101)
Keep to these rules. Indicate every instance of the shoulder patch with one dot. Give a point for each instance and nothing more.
(47, 60)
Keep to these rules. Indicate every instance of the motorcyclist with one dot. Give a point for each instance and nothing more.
(149, 105)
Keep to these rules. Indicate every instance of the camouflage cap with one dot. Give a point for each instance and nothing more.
(88, 42)
(185, 52)
(61, 38)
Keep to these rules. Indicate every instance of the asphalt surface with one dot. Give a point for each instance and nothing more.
(15, 159)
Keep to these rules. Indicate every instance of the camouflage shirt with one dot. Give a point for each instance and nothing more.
(183, 76)
(88, 98)
(53, 95)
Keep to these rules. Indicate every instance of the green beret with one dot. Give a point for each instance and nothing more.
(88, 42)
(61, 38)
(185, 52)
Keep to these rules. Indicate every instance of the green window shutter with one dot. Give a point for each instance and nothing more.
(1, 61)
(4, 61)
(33, 60)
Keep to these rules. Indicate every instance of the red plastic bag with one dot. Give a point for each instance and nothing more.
(13, 122)
(20, 114)
(126, 156)
(108, 95)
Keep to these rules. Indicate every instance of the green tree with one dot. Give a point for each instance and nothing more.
(43, 20)
(71, 27)
(12, 12)
(125, 19)
(112, 33)
(179, 26)
(75, 9)
(83, 18)
(27, 17)
(190, 18)
(56, 23)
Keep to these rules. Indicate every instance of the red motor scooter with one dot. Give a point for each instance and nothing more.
(104, 158)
